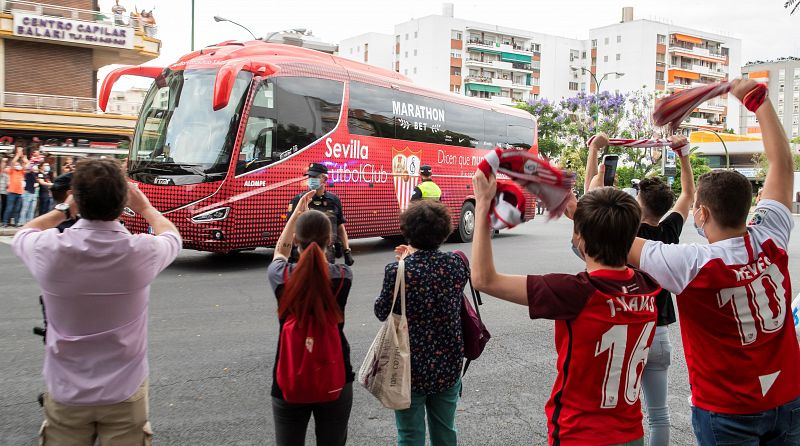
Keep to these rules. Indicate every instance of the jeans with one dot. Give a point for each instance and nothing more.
(13, 204)
(330, 420)
(774, 427)
(654, 387)
(3, 199)
(441, 411)
(45, 203)
(28, 207)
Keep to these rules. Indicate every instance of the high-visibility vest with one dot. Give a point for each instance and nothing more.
(430, 191)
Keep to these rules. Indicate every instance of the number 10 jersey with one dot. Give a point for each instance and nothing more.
(734, 301)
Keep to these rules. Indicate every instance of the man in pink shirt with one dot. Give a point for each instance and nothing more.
(95, 279)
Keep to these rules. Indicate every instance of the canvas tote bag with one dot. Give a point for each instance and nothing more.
(386, 371)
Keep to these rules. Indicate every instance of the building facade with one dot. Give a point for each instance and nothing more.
(493, 62)
(50, 52)
(657, 56)
(372, 48)
(783, 78)
(505, 64)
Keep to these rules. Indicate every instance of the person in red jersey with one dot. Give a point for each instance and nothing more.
(605, 318)
(733, 298)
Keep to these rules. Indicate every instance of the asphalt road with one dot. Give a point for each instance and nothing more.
(213, 335)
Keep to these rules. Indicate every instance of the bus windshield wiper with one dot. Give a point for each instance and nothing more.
(148, 169)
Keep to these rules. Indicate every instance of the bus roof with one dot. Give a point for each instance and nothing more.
(276, 55)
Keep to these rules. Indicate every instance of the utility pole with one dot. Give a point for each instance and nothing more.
(192, 25)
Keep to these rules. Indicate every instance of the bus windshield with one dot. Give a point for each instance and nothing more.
(179, 138)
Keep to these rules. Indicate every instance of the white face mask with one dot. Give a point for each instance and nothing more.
(17, 167)
(46, 169)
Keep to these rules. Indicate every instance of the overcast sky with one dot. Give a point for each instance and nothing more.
(766, 29)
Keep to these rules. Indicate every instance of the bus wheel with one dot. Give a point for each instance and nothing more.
(466, 224)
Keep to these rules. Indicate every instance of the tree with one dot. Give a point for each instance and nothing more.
(762, 165)
(699, 167)
(550, 123)
(789, 3)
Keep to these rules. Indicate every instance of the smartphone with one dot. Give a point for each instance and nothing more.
(610, 161)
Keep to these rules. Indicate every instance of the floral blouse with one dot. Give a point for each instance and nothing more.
(434, 286)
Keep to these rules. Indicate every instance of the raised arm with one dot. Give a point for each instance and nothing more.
(684, 202)
(484, 277)
(285, 241)
(139, 203)
(596, 143)
(778, 185)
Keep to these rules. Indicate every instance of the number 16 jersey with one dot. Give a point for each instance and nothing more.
(734, 301)
(605, 322)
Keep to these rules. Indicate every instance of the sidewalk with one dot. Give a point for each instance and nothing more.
(9, 232)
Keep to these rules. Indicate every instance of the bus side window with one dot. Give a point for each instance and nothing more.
(258, 142)
(495, 129)
(464, 126)
(520, 132)
(370, 112)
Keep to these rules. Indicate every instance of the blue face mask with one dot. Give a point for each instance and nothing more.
(314, 183)
(699, 229)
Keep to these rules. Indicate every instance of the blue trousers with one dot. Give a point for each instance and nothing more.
(13, 206)
(441, 412)
(654, 387)
(775, 427)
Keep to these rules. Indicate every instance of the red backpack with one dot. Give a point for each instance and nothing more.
(310, 361)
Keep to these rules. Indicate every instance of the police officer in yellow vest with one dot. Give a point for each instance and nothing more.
(427, 189)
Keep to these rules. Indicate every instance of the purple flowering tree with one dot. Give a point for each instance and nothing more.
(550, 123)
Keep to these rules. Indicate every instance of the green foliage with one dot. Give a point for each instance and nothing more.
(699, 167)
(762, 165)
(795, 140)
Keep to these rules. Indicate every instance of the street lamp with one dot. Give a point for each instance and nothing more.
(727, 158)
(301, 31)
(222, 19)
(594, 78)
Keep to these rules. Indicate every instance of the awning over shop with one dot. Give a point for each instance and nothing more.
(487, 88)
(511, 57)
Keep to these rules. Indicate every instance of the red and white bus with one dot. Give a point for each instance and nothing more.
(226, 134)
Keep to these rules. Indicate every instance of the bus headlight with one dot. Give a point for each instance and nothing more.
(212, 215)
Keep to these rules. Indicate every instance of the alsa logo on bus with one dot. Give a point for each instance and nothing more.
(354, 150)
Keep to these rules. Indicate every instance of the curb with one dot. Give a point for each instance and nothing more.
(8, 232)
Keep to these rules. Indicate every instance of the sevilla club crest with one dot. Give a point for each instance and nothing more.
(405, 171)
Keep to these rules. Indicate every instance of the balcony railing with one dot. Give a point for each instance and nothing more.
(481, 79)
(49, 102)
(86, 15)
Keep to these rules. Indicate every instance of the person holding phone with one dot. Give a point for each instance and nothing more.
(655, 198)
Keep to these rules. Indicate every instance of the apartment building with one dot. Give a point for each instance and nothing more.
(659, 56)
(372, 48)
(783, 78)
(477, 59)
(50, 52)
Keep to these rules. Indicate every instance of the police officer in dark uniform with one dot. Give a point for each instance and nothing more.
(329, 204)
(426, 189)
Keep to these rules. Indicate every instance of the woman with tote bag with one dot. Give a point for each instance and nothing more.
(434, 284)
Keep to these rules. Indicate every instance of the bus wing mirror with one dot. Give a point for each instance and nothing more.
(226, 76)
(114, 75)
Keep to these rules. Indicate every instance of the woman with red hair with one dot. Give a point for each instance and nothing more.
(312, 291)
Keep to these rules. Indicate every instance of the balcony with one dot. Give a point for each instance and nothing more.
(49, 102)
(47, 113)
(698, 52)
(115, 40)
(500, 65)
(478, 63)
(516, 48)
(478, 80)
(505, 83)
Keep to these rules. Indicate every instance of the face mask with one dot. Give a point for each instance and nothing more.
(46, 169)
(577, 251)
(314, 183)
(699, 229)
(17, 167)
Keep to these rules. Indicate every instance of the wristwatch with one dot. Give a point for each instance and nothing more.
(63, 207)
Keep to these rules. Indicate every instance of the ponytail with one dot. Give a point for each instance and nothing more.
(307, 294)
